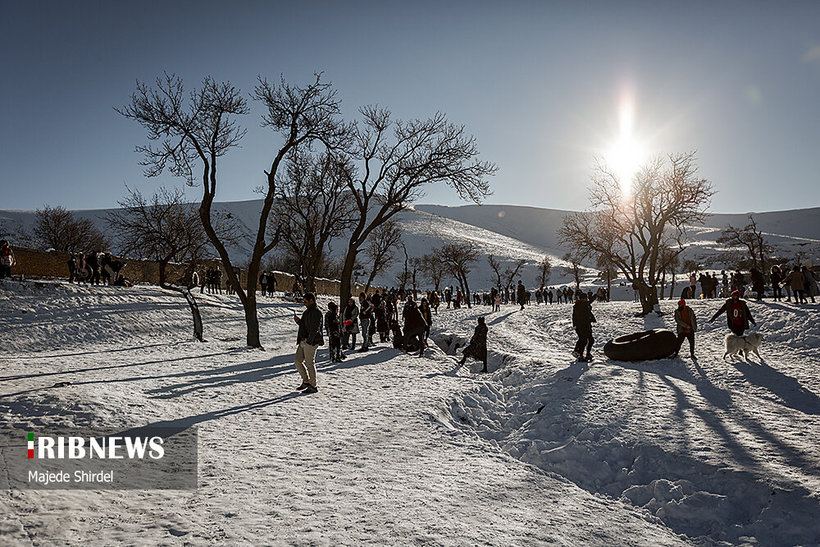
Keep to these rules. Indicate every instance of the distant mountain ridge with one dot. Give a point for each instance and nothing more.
(509, 232)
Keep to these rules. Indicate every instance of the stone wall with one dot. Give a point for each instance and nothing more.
(32, 264)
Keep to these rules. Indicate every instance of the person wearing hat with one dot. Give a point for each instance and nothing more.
(582, 320)
(737, 314)
(686, 324)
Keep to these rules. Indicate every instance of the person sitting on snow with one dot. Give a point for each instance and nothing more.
(477, 348)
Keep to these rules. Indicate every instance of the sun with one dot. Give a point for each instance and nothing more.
(626, 154)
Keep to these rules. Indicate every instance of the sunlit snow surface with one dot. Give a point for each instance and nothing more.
(400, 450)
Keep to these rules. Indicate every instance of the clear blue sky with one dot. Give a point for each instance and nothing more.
(538, 83)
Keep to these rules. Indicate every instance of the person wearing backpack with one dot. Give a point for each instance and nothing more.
(738, 315)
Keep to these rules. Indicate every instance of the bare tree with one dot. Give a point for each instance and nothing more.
(459, 258)
(57, 228)
(574, 267)
(397, 160)
(634, 228)
(544, 270)
(751, 240)
(313, 197)
(672, 261)
(381, 249)
(607, 271)
(165, 228)
(511, 272)
(495, 266)
(505, 277)
(432, 266)
(194, 133)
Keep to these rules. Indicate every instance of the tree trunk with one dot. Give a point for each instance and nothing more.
(347, 279)
(252, 321)
(648, 296)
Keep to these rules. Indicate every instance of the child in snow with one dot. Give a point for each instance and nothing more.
(477, 348)
(686, 325)
(582, 320)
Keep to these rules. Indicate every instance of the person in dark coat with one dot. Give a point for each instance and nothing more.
(382, 326)
(308, 340)
(737, 314)
(582, 320)
(334, 333)
(350, 323)
(427, 314)
(477, 348)
(365, 319)
(757, 282)
(263, 283)
(6, 259)
(775, 279)
(521, 294)
(414, 326)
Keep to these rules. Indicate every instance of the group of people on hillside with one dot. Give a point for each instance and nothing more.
(267, 283)
(544, 295)
(96, 268)
(799, 281)
(367, 315)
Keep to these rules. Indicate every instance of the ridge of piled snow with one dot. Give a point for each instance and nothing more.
(719, 451)
(370, 459)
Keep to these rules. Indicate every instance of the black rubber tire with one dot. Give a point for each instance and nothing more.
(642, 346)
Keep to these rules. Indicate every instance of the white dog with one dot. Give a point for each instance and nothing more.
(745, 344)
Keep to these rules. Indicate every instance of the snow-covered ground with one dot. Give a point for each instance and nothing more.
(400, 450)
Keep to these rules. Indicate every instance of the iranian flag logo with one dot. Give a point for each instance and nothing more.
(31, 446)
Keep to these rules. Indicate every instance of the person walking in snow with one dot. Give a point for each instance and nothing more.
(582, 320)
(334, 333)
(263, 283)
(427, 315)
(809, 283)
(738, 315)
(775, 279)
(365, 318)
(350, 323)
(686, 324)
(521, 294)
(414, 325)
(757, 283)
(308, 340)
(797, 283)
(477, 348)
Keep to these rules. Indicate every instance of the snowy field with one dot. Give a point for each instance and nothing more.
(400, 450)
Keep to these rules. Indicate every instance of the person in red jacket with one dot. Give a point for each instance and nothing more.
(737, 314)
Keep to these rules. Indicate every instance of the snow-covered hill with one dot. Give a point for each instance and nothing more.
(395, 449)
(511, 233)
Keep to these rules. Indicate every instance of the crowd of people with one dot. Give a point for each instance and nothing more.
(96, 268)
(798, 282)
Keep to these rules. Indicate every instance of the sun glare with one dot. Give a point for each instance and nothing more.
(626, 154)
